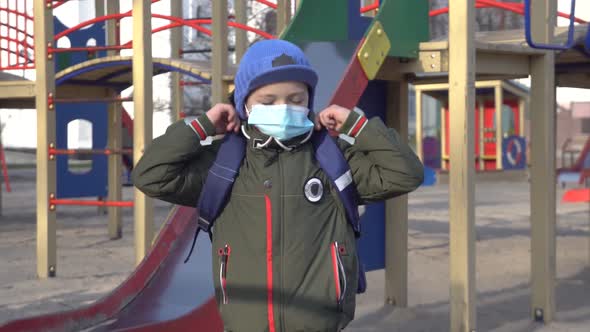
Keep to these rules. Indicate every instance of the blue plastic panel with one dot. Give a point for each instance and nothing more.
(514, 152)
(94, 183)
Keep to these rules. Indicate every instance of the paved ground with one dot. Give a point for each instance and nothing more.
(89, 265)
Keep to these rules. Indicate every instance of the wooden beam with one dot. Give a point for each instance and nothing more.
(11, 90)
(176, 44)
(543, 165)
(46, 169)
(115, 163)
(462, 184)
(481, 133)
(283, 15)
(99, 8)
(443, 135)
(219, 54)
(498, 102)
(396, 210)
(514, 65)
(113, 27)
(521, 117)
(142, 122)
(419, 125)
(241, 9)
(114, 133)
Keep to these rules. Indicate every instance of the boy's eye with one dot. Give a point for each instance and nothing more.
(296, 100)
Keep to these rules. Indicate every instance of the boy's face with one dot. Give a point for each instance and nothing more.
(292, 93)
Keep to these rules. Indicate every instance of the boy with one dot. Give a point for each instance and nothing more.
(284, 254)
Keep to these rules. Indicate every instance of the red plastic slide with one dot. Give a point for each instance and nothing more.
(162, 294)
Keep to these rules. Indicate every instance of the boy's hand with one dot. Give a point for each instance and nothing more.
(224, 118)
(332, 118)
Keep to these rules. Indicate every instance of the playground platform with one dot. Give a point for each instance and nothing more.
(91, 266)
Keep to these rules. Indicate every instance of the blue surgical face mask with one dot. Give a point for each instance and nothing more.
(282, 122)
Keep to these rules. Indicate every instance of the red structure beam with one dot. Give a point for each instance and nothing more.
(74, 202)
(69, 152)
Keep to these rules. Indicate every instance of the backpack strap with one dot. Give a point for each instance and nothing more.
(333, 163)
(219, 182)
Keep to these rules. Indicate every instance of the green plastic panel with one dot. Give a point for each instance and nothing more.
(406, 25)
(315, 20)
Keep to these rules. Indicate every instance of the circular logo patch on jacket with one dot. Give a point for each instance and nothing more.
(313, 190)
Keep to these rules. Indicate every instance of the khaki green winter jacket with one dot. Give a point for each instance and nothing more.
(284, 256)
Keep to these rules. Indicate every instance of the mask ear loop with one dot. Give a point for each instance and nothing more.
(258, 145)
(308, 136)
(286, 148)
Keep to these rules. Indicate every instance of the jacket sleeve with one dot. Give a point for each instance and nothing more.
(382, 165)
(175, 165)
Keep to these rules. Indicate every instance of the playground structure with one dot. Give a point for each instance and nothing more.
(392, 47)
(578, 173)
(499, 117)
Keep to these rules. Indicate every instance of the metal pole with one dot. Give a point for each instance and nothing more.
(462, 185)
(142, 122)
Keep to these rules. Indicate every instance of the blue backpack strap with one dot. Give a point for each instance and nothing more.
(219, 182)
(333, 163)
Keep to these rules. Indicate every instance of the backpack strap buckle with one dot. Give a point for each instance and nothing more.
(204, 224)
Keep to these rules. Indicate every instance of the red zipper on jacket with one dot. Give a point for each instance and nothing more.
(269, 285)
(335, 270)
(224, 254)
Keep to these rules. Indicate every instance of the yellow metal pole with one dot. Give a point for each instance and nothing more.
(176, 39)
(142, 122)
(396, 210)
(462, 185)
(115, 138)
(283, 15)
(219, 55)
(543, 165)
(498, 102)
(419, 146)
(46, 171)
(241, 9)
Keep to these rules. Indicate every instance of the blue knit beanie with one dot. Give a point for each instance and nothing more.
(271, 61)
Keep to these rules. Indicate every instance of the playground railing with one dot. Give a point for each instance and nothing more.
(555, 47)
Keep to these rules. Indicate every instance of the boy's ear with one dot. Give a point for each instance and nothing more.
(232, 98)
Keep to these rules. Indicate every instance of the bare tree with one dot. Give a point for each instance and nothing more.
(197, 97)
(487, 19)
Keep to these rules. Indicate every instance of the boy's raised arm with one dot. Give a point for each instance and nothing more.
(382, 165)
(175, 165)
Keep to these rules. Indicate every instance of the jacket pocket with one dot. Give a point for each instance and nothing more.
(339, 273)
(224, 254)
